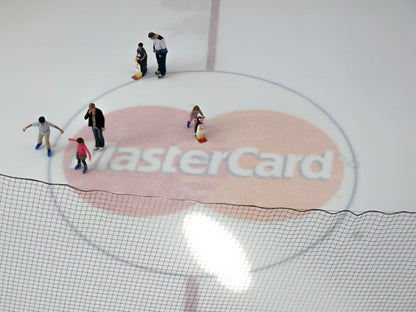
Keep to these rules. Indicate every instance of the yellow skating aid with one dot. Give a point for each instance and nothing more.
(200, 132)
(137, 76)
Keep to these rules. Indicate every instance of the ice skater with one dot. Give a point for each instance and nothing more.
(96, 121)
(81, 154)
(161, 51)
(141, 62)
(44, 131)
(141, 58)
(196, 111)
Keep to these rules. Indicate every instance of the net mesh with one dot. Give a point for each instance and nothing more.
(64, 249)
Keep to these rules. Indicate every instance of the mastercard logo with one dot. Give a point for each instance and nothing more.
(265, 158)
(268, 146)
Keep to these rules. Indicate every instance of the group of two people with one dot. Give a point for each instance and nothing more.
(159, 48)
(96, 121)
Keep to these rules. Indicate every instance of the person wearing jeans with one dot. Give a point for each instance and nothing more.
(159, 47)
(99, 138)
(96, 121)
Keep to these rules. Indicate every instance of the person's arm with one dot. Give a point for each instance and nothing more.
(88, 151)
(87, 115)
(102, 116)
(28, 126)
(56, 127)
(72, 140)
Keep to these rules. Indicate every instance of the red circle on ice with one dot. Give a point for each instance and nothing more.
(251, 157)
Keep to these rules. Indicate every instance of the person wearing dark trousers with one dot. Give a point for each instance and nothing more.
(159, 47)
(141, 58)
(81, 155)
(96, 121)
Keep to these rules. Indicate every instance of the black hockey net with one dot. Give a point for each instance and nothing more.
(64, 249)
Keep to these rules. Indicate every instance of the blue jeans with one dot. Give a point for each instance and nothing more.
(161, 62)
(99, 139)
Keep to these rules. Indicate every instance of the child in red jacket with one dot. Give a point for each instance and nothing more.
(81, 154)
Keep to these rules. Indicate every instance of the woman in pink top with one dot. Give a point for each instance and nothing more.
(81, 154)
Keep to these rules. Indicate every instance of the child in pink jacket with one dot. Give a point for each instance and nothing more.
(81, 154)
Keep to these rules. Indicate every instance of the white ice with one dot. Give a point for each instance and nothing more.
(355, 59)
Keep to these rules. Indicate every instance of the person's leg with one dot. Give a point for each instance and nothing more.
(40, 138)
(163, 64)
(100, 138)
(85, 166)
(143, 68)
(78, 163)
(189, 122)
(97, 140)
(48, 144)
(158, 64)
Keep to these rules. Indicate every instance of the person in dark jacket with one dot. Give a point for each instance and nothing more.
(96, 121)
(141, 58)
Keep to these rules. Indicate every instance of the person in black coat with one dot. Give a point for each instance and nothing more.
(96, 121)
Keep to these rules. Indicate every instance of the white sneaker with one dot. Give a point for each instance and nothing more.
(101, 148)
(95, 148)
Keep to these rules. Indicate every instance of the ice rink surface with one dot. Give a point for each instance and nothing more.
(355, 60)
(291, 85)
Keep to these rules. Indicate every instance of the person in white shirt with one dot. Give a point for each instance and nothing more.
(44, 131)
(159, 47)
